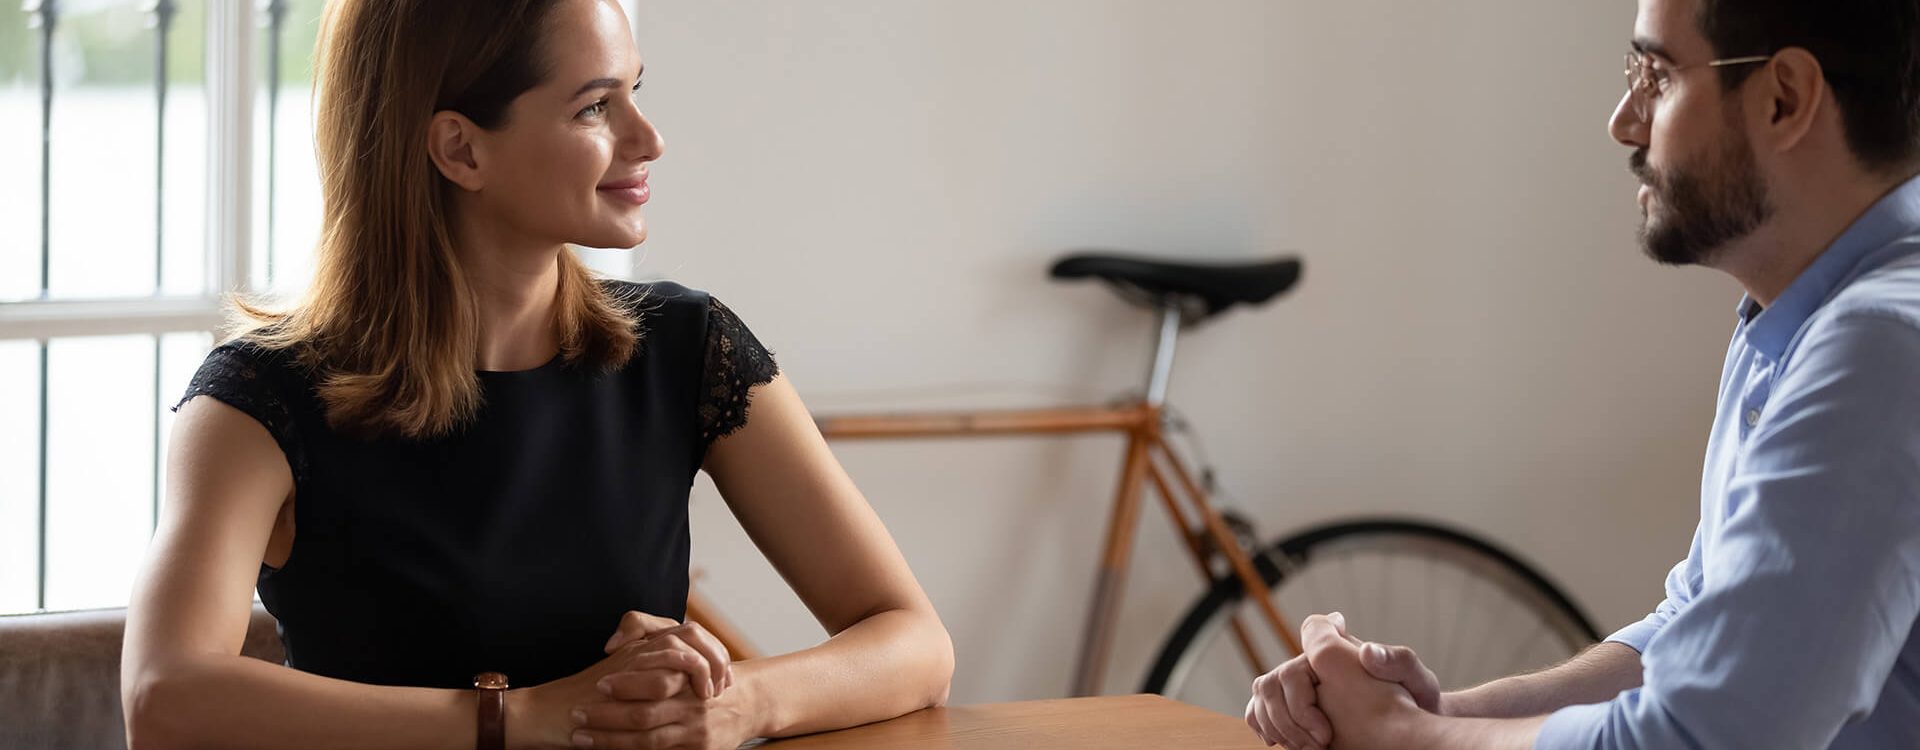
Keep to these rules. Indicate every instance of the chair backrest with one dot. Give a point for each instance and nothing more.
(60, 676)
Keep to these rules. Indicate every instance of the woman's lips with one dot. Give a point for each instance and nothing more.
(627, 191)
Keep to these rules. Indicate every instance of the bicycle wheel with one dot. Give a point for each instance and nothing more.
(1472, 611)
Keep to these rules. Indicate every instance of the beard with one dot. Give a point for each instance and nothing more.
(1700, 206)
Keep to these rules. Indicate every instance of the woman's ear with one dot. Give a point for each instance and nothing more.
(450, 142)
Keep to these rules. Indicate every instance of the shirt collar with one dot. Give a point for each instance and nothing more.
(1895, 215)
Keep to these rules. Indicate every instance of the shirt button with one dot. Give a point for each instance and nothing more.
(1753, 417)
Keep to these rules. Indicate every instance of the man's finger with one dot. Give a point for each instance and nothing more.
(1264, 717)
(1333, 659)
(1324, 631)
(1400, 664)
(1253, 722)
(1302, 701)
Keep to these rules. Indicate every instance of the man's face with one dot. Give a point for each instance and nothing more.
(1701, 188)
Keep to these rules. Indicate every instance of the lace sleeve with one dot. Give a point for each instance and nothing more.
(735, 363)
(240, 377)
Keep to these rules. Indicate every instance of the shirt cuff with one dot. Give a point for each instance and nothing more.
(1574, 728)
(1637, 635)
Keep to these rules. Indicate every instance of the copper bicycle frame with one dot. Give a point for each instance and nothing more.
(1149, 461)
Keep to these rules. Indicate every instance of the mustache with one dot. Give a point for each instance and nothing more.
(1637, 164)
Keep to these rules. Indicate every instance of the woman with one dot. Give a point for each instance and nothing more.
(461, 454)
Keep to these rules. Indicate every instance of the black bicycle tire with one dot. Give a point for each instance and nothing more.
(1228, 588)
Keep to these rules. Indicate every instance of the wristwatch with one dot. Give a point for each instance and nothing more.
(491, 690)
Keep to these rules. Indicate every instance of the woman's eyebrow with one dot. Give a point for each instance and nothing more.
(601, 83)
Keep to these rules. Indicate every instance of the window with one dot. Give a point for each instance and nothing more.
(154, 154)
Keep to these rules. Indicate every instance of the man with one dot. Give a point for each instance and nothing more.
(1777, 141)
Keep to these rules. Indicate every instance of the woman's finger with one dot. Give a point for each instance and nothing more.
(661, 738)
(698, 667)
(704, 642)
(635, 626)
(644, 685)
(633, 716)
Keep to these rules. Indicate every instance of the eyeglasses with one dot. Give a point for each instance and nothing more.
(1646, 77)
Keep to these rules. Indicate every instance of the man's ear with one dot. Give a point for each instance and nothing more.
(451, 142)
(1794, 91)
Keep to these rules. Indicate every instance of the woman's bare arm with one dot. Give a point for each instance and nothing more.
(888, 653)
(184, 683)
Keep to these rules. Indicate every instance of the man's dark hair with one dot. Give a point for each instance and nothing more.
(1870, 50)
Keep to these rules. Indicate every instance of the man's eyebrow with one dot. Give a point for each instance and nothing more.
(1647, 46)
(602, 83)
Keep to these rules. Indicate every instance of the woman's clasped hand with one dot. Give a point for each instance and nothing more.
(663, 684)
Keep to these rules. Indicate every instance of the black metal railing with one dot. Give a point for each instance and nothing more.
(163, 14)
(275, 12)
(45, 17)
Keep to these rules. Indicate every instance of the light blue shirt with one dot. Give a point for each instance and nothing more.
(1791, 624)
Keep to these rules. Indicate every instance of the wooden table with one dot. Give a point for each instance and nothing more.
(1115, 723)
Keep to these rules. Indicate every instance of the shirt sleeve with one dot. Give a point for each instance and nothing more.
(1682, 581)
(1813, 585)
(736, 362)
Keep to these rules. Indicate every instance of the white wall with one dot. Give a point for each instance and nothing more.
(877, 186)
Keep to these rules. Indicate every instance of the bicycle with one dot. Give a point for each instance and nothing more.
(1239, 572)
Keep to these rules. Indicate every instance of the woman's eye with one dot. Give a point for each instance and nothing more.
(595, 110)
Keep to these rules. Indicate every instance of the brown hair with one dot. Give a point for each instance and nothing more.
(389, 322)
(1868, 49)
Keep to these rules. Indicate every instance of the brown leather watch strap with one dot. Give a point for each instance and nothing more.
(490, 688)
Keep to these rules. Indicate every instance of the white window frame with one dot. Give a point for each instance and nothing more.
(230, 69)
(230, 39)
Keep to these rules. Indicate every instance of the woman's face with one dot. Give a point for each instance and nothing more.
(570, 164)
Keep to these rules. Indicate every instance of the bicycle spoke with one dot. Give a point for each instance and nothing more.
(1517, 661)
(1493, 620)
(1248, 649)
(1460, 600)
(1387, 593)
(1319, 598)
(1431, 563)
(1352, 581)
(1477, 646)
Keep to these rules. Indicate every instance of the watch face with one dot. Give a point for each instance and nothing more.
(490, 681)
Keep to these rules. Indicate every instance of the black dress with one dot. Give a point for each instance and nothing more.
(516, 543)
